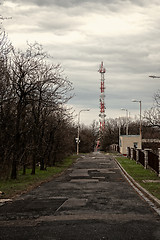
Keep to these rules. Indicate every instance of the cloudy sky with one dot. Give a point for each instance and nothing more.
(79, 34)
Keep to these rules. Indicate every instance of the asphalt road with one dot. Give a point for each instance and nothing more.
(92, 200)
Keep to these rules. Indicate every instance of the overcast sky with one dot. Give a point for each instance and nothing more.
(79, 34)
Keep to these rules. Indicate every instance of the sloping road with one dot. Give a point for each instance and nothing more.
(92, 200)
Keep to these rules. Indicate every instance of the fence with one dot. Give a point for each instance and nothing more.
(133, 154)
(146, 157)
(114, 147)
(129, 153)
(153, 161)
(141, 157)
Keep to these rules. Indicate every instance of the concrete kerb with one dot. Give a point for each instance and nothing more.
(155, 201)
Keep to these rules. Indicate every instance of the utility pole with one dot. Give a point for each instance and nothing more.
(126, 119)
(77, 139)
(140, 112)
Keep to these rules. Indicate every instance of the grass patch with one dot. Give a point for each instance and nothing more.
(138, 173)
(23, 183)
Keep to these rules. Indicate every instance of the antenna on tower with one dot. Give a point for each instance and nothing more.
(102, 69)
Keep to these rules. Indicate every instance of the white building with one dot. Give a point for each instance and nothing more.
(132, 141)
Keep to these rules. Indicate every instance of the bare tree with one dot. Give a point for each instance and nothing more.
(152, 116)
(6, 101)
(35, 124)
(88, 136)
(5, 45)
(157, 99)
(39, 88)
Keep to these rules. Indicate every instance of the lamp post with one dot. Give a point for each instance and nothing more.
(119, 131)
(119, 127)
(77, 139)
(124, 109)
(154, 76)
(140, 110)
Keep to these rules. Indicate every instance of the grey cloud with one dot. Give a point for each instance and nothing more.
(70, 3)
(144, 2)
(114, 5)
(129, 58)
(64, 3)
(61, 26)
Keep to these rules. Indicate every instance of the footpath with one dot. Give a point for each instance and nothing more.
(92, 200)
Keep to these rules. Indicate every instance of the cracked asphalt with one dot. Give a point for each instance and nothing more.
(91, 200)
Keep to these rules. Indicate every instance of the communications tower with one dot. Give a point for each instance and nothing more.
(102, 115)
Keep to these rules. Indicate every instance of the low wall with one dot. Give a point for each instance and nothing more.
(145, 157)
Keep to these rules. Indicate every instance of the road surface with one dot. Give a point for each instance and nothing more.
(92, 200)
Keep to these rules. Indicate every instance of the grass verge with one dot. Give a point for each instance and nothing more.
(24, 183)
(139, 174)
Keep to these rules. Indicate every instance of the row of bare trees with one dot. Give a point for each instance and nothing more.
(150, 126)
(114, 127)
(35, 125)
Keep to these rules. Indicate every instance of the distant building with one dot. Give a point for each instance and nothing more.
(132, 141)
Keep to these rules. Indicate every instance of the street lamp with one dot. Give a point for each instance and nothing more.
(126, 119)
(154, 76)
(77, 139)
(140, 106)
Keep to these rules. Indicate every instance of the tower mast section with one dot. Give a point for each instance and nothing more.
(102, 115)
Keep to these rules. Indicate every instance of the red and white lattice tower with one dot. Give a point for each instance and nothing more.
(102, 115)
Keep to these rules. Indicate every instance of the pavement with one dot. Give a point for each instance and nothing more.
(91, 200)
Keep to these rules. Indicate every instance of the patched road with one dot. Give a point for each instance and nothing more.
(92, 200)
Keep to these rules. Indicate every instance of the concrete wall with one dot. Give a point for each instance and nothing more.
(129, 141)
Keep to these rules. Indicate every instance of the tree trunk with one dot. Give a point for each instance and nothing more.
(14, 169)
(42, 164)
(24, 169)
(34, 164)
